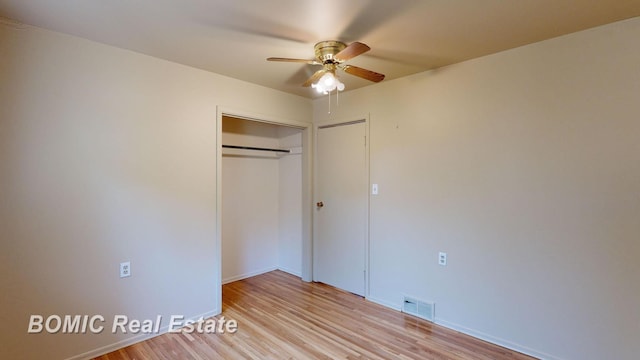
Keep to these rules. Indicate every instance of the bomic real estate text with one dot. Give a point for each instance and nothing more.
(121, 324)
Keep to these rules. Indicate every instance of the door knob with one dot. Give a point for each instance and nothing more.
(320, 204)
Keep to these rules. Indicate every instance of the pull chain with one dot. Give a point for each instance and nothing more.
(337, 100)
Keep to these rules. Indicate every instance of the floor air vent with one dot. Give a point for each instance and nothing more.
(421, 309)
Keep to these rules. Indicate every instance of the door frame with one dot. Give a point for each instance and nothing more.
(343, 122)
(307, 190)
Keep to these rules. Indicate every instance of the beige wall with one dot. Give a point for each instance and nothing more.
(524, 167)
(105, 156)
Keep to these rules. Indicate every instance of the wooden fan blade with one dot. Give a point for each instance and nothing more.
(310, 62)
(315, 77)
(363, 73)
(352, 50)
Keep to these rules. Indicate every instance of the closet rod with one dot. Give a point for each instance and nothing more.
(255, 148)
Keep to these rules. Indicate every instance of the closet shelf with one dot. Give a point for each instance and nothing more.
(256, 148)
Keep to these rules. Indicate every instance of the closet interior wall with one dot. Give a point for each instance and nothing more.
(261, 200)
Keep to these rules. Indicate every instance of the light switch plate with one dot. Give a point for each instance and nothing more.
(374, 189)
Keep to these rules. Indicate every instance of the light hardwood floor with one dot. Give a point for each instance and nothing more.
(281, 317)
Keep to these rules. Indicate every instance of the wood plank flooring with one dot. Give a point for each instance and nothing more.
(281, 317)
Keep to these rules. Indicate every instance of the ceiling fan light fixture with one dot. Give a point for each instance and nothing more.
(328, 83)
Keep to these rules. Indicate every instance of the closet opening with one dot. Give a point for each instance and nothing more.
(263, 198)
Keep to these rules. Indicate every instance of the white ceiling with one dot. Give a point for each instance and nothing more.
(234, 38)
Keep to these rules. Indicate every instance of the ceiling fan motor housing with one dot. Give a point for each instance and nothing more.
(332, 54)
(326, 50)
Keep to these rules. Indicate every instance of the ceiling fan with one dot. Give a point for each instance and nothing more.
(331, 55)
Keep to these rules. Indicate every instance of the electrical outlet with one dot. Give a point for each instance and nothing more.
(442, 258)
(125, 269)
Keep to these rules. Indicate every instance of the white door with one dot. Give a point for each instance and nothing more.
(340, 226)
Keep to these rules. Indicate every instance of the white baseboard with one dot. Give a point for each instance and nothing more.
(231, 279)
(476, 334)
(384, 303)
(495, 340)
(289, 271)
(135, 339)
